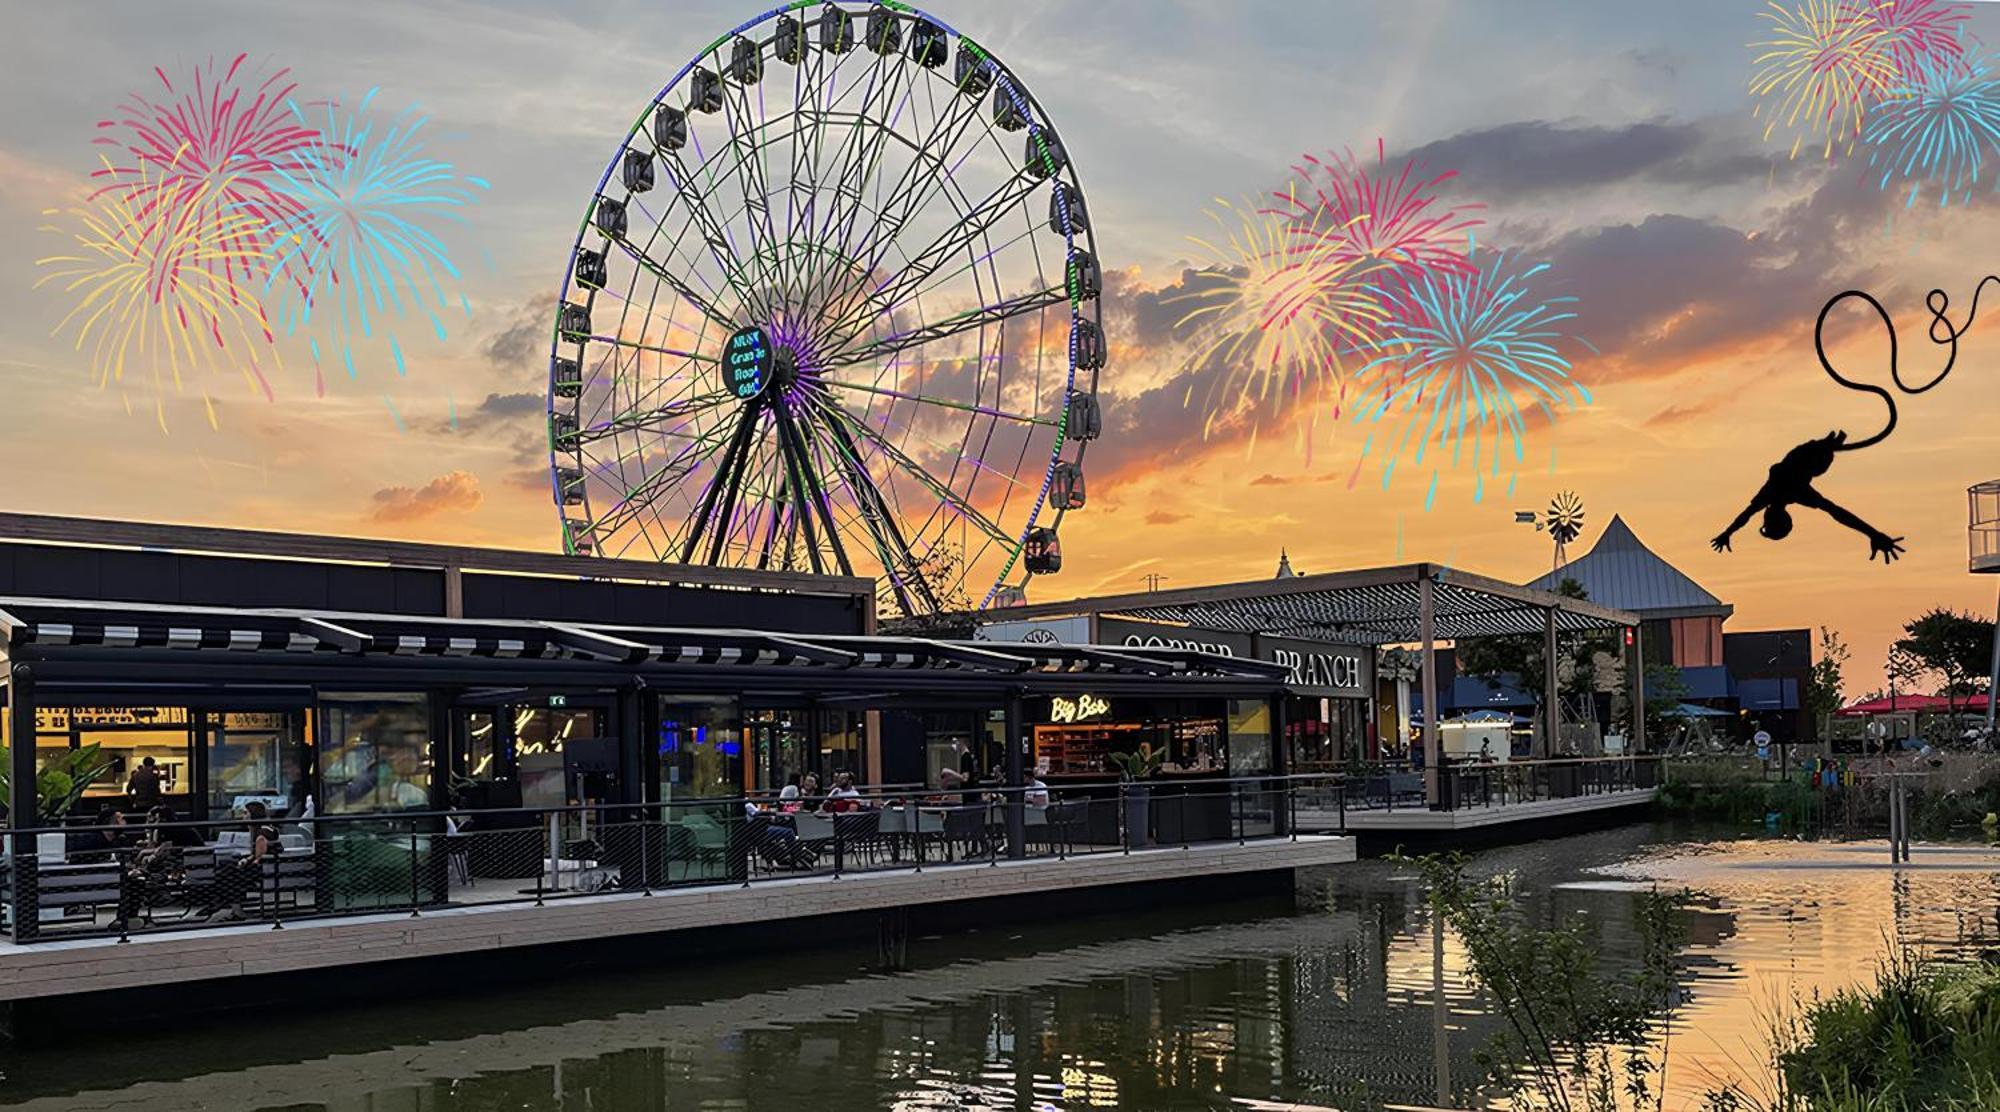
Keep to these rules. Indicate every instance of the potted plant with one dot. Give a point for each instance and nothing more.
(1134, 769)
(61, 783)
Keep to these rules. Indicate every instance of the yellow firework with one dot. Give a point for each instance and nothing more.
(1822, 65)
(1273, 310)
(154, 273)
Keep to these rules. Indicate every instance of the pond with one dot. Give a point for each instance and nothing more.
(1228, 1007)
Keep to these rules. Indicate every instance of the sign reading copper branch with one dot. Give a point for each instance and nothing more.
(1320, 669)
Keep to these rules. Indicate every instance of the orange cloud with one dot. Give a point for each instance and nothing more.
(1164, 517)
(451, 492)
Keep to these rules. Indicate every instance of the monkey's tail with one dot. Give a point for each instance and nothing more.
(1819, 346)
(1942, 332)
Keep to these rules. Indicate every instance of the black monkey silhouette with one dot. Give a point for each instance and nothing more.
(1790, 484)
(1791, 479)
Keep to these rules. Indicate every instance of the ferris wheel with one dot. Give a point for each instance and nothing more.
(833, 308)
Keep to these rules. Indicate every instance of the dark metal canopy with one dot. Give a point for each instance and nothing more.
(1377, 606)
(191, 645)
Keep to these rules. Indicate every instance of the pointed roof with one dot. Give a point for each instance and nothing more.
(1285, 566)
(1620, 571)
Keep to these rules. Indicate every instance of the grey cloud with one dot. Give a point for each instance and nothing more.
(1675, 288)
(1539, 156)
(519, 348)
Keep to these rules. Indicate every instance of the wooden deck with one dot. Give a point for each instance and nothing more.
(57, 969)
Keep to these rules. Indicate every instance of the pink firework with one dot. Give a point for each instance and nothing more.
(212, 147)
(1918, 36)
(1389, 214)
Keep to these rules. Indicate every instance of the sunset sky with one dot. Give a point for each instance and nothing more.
(1613, 141)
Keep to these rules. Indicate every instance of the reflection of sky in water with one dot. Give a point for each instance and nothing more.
(1329, 1008)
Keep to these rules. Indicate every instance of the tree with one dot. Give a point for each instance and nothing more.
(942, 570)
(1824, 693)
(1951, 646)
(1493, 659)
(1665, 688)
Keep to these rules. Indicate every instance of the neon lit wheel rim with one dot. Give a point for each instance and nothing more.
(833, 307)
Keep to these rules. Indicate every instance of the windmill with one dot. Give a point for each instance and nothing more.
(1563, 522)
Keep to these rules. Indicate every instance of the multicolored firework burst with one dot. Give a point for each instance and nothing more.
(207, 151)
(1275, 308)
(1392, 216)
(1824, 63)
(160, 296)
(1916, 35)
(1941, 129)
(366, 198)
(1468, 358)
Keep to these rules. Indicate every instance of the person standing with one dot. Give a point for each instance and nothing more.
(144, 785)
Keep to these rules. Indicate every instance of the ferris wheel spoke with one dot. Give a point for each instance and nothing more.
(849, 162)
(750, 172)
(856, 174)
(953, 126)
(672, 411)
(917, 471)
(968, 321)
(636, 499)
(806, 156)
(713, 234)
(652, 266)
(920, 399)
(891, 548)
(973, 225)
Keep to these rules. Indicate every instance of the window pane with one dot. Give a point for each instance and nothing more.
(701, 747)
(255, 755)
(1249, 736)
(377, 752)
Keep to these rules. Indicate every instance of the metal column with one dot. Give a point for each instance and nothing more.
(1017, 830)
(1993, 681)
(21, 809)
(1638, 689)
(1427, 633)
(1281, 763)
(1551, 688)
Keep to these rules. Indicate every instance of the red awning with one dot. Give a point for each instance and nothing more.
(1917, 704)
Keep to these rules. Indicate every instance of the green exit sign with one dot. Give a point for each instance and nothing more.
(558, 700)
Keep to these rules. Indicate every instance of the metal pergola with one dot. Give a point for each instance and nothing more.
(1419, 604)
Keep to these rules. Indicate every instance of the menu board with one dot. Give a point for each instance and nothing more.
(57, 720)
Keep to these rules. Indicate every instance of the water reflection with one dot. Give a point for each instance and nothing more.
(1233, 1008)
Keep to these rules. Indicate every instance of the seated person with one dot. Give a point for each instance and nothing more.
(1037, 794)
(843, 798)
(221, 900)
(103, 840)
(809, 797)
(788, 799)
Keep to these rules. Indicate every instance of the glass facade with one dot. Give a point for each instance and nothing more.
(376, 752)
(701, 747)
(258, 755)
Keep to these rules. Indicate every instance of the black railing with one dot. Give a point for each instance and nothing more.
(1400, 785)
(119, 881)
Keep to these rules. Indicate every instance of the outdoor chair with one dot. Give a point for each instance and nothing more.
(858, 832)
